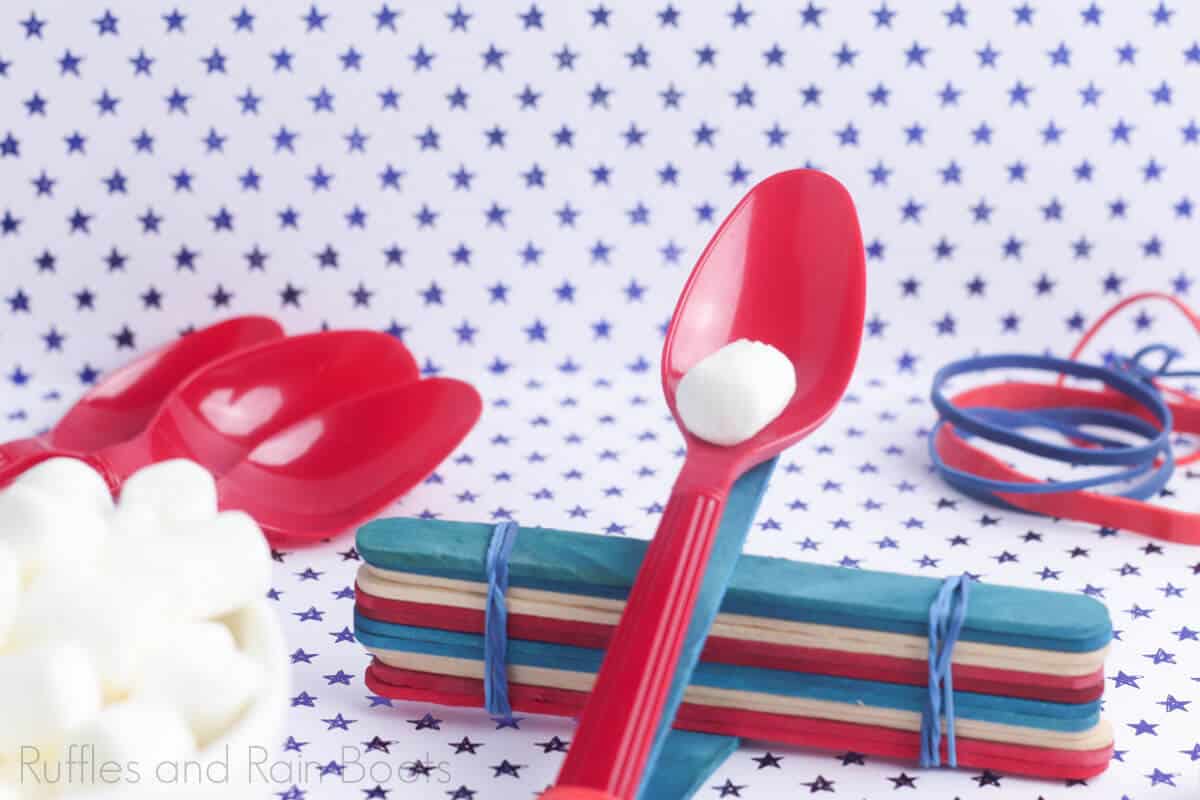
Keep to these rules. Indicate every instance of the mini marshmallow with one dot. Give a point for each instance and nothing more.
(205, 570)
(735, 392)
(43, 530)
(23, 768)
(139, 522)
(178, 491)
(10, 792)
(114, 621)
(135, 735)
(46, 693)
(10, 584)
(10, 773)
(70, 480)
(228, 566)
(198, 670)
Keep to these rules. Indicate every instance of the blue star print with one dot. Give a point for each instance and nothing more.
(516, 190)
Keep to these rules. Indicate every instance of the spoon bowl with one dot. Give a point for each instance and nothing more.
(304, 483)
(220, 414)
(124, 401)
(786, 268)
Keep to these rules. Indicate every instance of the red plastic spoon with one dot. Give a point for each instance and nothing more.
(786, 268)
(340, 466)
(121, 405)
(219, 415)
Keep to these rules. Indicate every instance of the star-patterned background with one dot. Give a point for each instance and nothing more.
(518, 191)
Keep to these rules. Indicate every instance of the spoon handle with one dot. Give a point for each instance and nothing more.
(609, 751)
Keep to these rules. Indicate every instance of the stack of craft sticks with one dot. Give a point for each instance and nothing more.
(801, 654)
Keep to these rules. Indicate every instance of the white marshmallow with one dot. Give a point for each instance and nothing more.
(28, 772)
(71, 480)
(205, 570)
(198, 670)
(46, 693)
(43, 530)
(136, 736)
(177, 490)
(12, 790)
(228, 566)
(115, 621)
(732, 394)
(10, 584)
(133, 521)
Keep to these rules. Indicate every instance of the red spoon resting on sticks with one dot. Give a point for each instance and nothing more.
(125, 400)
(786, 268)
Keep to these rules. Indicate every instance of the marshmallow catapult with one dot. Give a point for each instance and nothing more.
(799, 654)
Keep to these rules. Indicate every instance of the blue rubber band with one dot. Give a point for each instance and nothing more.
(946, 616)
(495, 628)
(1128, 376)
(972, 422)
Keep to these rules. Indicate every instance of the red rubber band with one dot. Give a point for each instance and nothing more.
(1100, 509)
(1182, 399)
(1085, 506)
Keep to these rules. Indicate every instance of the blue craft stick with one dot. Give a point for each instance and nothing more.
(773, 588)
(740, 508)
(685, 762)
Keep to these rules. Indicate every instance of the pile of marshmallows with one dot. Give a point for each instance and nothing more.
(113, 617)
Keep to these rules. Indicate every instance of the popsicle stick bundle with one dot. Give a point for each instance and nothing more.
(800, 654)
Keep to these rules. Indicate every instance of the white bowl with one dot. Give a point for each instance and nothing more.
(259, 634)
(225, 765)
(256, 733)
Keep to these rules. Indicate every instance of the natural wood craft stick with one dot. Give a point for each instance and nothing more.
(604, 611)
